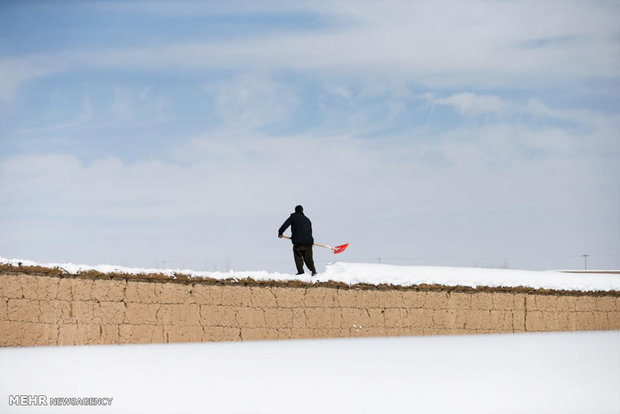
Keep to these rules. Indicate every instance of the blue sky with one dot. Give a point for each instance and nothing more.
(452, 133)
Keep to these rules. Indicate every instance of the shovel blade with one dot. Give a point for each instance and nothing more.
(341, 248)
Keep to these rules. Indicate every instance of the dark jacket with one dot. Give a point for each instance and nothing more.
(301, 229)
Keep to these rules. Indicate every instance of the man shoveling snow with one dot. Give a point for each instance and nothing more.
(301, 236)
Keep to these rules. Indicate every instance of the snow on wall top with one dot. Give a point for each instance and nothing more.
(383, 274)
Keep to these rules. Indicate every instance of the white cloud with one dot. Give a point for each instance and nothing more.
(84, 116)
(226, 197)
(250, 101)
(342, 92)
(14, 72)
(193, 8)
(457, 193)
(457, 44)
(472, 104)
(586, 117)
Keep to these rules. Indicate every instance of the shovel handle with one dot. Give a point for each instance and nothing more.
(316, 244)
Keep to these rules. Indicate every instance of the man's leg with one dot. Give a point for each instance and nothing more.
(309, 259)
(299, 261)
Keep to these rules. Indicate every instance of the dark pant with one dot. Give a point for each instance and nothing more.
(303, 253)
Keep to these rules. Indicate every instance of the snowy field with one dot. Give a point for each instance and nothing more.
(375, 274)
(512, 373)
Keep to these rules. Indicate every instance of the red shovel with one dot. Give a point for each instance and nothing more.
(336, 249)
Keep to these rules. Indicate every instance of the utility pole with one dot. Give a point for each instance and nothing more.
(585, 261)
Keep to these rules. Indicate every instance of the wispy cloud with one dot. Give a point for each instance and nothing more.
(85, 116)
(251, 101)
(586, 117)
(467, 103)
(440, 128)
(15, 71)
(450, 44)
(246, 182)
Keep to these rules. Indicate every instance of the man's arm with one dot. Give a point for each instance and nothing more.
(284, 226)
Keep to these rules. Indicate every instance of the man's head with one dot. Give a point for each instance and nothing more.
(299, 209)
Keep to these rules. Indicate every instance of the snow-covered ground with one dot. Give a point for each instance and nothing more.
(375, 274)
(511, 373)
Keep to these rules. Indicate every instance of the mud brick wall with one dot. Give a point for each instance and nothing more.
(49, 309)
